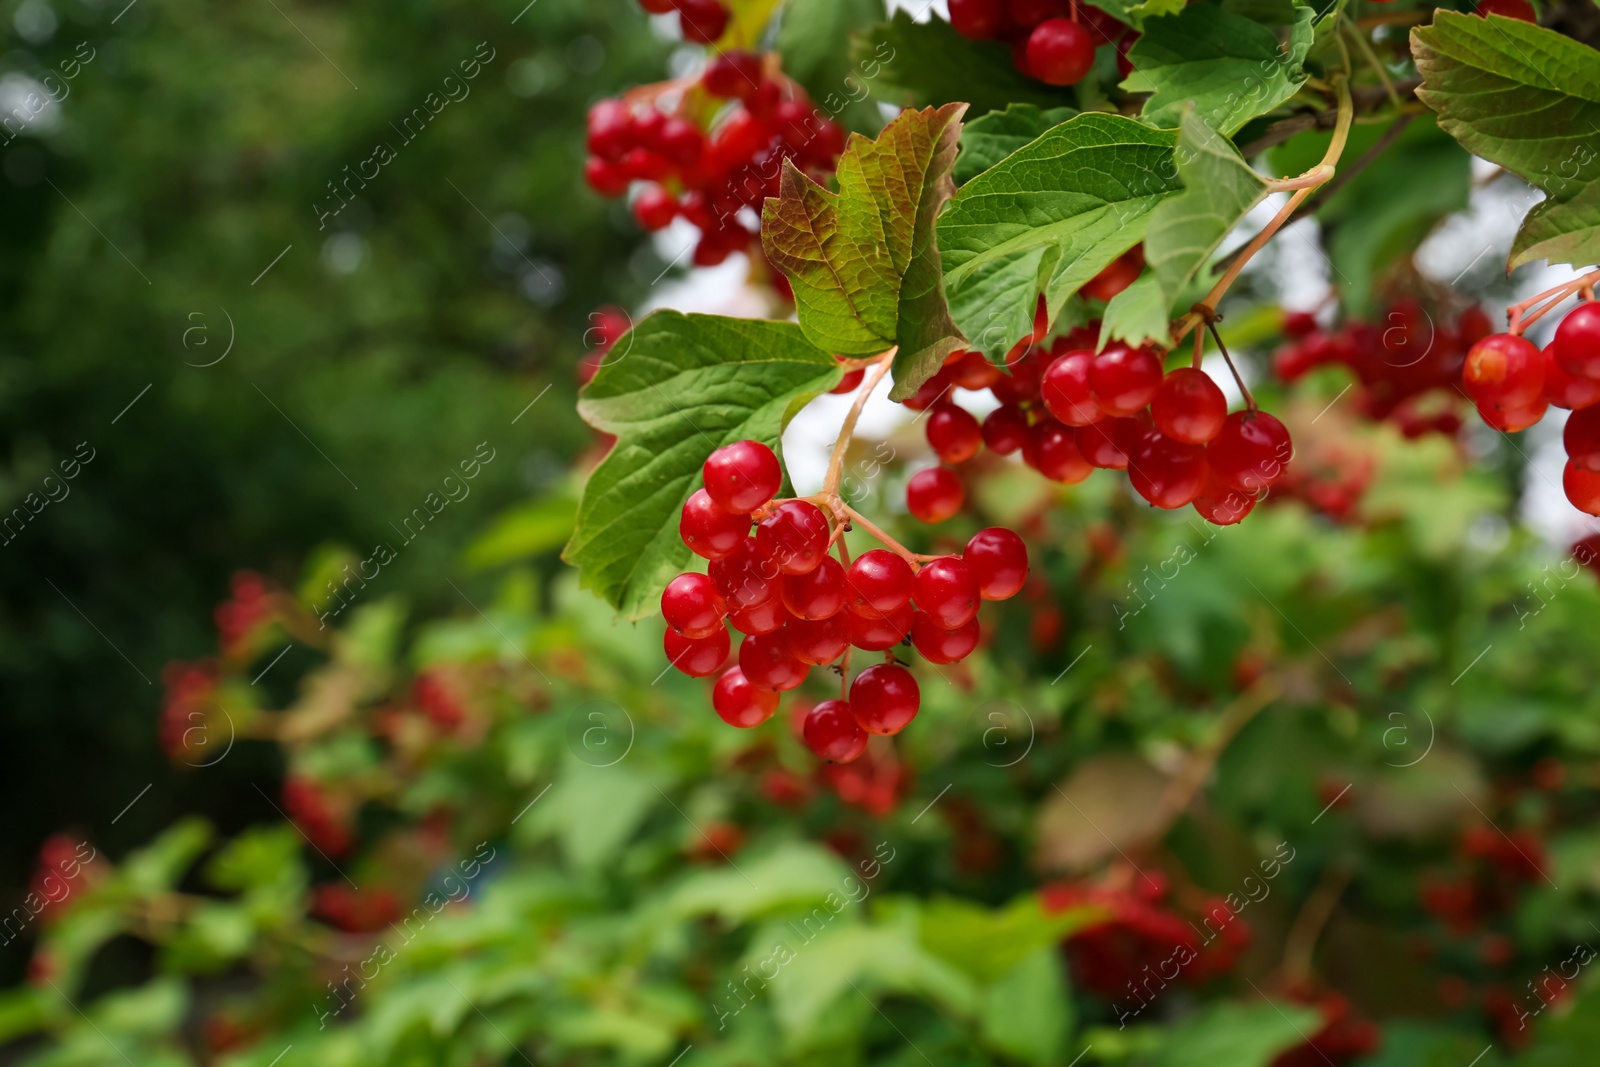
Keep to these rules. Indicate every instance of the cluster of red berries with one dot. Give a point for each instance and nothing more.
(318, 814)
(355, 911)
(1117, 956)
(1494, 869)
(240, 617)
(1051, 40)
(1514, 384)
(1342, 1037)
(1069, 410)
(711, 164)
(700, 21)
(799, 607)
(188, 699)
(438, 701)
(1407, 364)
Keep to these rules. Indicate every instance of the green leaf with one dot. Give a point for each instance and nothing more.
(158, 866)
(685, 386)
(1185, 230)
(987, 943)
(795, 876)
(926, 64)
(862, 261)
(1527, 98)
(1238, 1035)
(529, 529)
(988, 139)
(814, 39)
(1048, 218)
(1228, 67)
(1027, 1013)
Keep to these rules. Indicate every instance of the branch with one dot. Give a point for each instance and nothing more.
(1366, 100)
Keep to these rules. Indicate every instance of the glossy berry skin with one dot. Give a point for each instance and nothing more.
(877, 633)
(972, 370)
(1124, 379)
(794, 536)
(934, 494)
(999, 562)
(1513, 418)
(1052, 450)
(733, 75)
(1108, 442)
(1582, 488)
(1222, 505)
(819, 641)
(768, 662)
(655, 208)
(1511, 9)
(884, 698)
(1065, 389)
(1167, 473)
(1250, 451)
(1504, 371)
(710, 531)
(762, 618)
(850, 382)
(738, 703)
(696, 658)
(1117, 275)
(879, 583)
(702, 21)
(1060, 52)
(742, 476)
(1005, 429)
(978, 20)
(832, 733)
(744, 577)
(1564, 389)
(1581, 437)
(1577, 340)
(1189, 406)
(819, 594)
(692, 606)
(943, 646)
(947, 592)
(953, 433)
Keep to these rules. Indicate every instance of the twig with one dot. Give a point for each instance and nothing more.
(1313, 918)
(830, 484)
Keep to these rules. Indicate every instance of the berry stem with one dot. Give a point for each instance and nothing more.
(1303, 186)
(830, 484)
(1244, 390)
(1518, 316)
(1365, 48)
(1199, 349)
(857, 519)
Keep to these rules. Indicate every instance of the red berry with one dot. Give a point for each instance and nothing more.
(610, 130)
(1582, 487)
(943, 646)
(762, 618)
(1513, 418)
(818, 641)
(1029, 13)
(1505, 370)
(1124, 379)
(817, 594)
(1299, 323)
(999, 562)
(978, 20)
(659, 7)
(1106, 444)
(742, 476)
(655, 208)
(733, 75)
(880, 582)
(696, 658)
(850, 382)
(1511, 9)
(832, 733)
(607, 179)
(710, 531)
(739, 703)
(1167, 473)
(1060, 52)
(681, 141)
(744, 576)
(769, 662)
(884, 698)
(702, 21)
(645, 165)
(1005, 429)
(1221, 504)
(876, 633)
(972, 370)
(1065, 389)
(1577, 340)
(953, 433)
(1582, 438)
(1250, 451)
(933, 495)
(1564, 389)
(1118, 274)
(692, 606)
(947, 592)
(794, 536)
(1189, 406)
(1052, 450)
